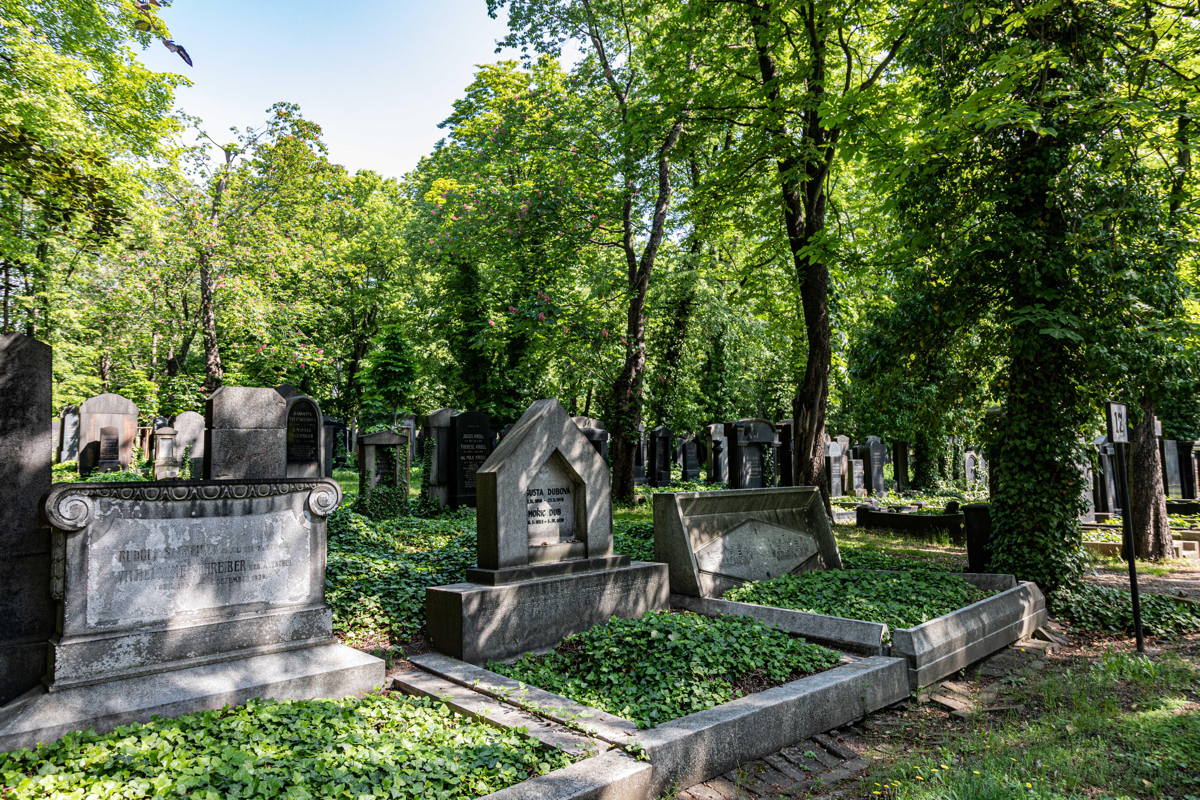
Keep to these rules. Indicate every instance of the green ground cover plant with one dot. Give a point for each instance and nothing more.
(863, 558)
(666, 665)
(896, 599)
(1108, 609)
(376, 746)
(1123, 726)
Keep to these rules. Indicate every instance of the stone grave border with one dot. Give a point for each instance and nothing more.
(927, 525)
(932, 650)
(698, 746)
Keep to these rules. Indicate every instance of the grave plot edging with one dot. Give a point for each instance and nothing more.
(609, 776)
(705, 744)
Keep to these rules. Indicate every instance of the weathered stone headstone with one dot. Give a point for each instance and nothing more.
(847, 473)
(436, 450)
(689, 459)
(752, 444)
(335, 445)
(969, 467)
(471, 442)
(833, 469)
(383, 461)
(713, 541)
(189, 441)
(546, 565)
(68, 436)
(718, 453)
(409, 421)
(246, 434)
(185, 597)
(785, 453)
(658, 452)
(1187, 467)
(594, 430)
(108, 430)
(167, 459)
(1087, 495)
(25, 603)
(858, 478)
(1172, 473)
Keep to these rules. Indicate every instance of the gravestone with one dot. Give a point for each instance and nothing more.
(714, 541)
(718, 453)
(900, 465)
(471, 442)
(189, 441)
(833, 469)
(25, 603)
(108, 430)
(335, 445)
(546, 565)
(858, 478)
(847, 472)
(1172, 473)
(167, 459)
(1187, 467)
(68, 435)
(409, 422)
(785, 453)
(305, 434)
(1108, 469)
(383, 461)
(1088, 482)
(594, 430)
(639, 457)
(752, 444)
(184, 597)
(689, 459)
(436, 452)
(658, 461)
(246, 434)
(873, 454)
(969, 466)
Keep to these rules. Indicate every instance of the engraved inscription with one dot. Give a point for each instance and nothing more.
(143, 571)
(303, 433)
(110, 445)
(473, 450)
(550, 506)
(756, 550)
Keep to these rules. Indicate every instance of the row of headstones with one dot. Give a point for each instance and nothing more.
(246, 433)
(1180, 467)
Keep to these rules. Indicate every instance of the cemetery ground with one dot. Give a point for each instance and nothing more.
(1082, 716)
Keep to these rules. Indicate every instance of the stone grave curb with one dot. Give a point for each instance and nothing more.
(917, 524)
(943, 646)
(854, 635)
(932, 650)
(705, 744)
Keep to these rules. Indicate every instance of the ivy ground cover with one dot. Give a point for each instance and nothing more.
(896, 599)
(665, 665)
(382, 745)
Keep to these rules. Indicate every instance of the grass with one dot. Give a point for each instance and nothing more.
(1120, 726)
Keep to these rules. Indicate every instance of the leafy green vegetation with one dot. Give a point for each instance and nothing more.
(862, 558)
(1106, 608)
(634, 539)
(1123, 726)
(666, 665)
(898, 599)
(377, 746)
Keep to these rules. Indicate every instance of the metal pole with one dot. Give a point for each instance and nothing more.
(1130, 550)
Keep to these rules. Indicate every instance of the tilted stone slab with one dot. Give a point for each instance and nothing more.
(854, 635)
(714, 541)
(945, 645)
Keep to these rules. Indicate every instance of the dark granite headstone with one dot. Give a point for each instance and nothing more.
(752, 444)
(717, 453)
(900, 464)
(785, 453)
(108, 430)
(858, 478)
(435, 435)
(658, 452)
(1108, 469)
(639, 457)
(68, 435)
(1172, 473)
(335, 445)
(304, 433)
(25, 604)
(596, 433)
(471, 442)
(877, 456)
(689, 459)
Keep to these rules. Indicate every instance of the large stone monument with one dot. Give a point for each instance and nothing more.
(26, 608)
(107, 432)
(714, 541)
(180, 597)
(546, 565)
(659, 451)
(688, 457)
(383, 461)
(752, 444)
(246, 435)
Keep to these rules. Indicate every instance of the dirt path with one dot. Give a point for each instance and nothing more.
(1181, 582)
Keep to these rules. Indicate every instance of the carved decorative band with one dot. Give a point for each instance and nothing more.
(73, 506)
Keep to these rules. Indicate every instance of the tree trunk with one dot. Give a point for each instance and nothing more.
(1148, 502)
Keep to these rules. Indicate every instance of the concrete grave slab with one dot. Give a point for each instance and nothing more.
(713, 541)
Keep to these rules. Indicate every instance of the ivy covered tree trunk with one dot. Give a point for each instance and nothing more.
(924, 461)
(1148, 502)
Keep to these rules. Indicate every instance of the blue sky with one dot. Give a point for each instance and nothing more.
(377, 75)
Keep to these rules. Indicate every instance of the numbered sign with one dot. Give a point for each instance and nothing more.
(1118, 423)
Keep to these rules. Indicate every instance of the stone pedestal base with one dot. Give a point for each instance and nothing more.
(328, 670)
(477, 623)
